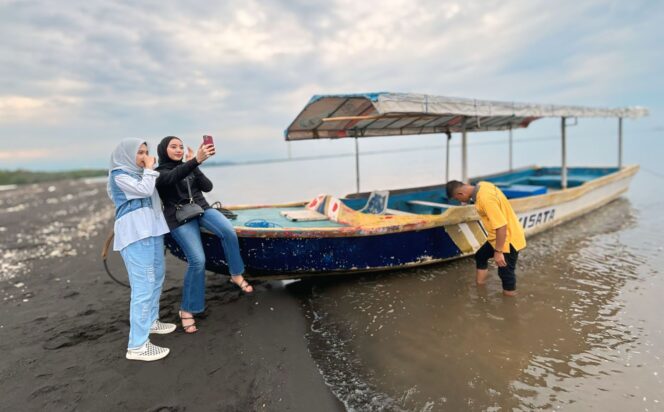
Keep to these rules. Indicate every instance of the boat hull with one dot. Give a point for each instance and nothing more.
(454, 234)
(279, 256)
(569, 204)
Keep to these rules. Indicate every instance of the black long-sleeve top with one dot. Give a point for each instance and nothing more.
(173, 188)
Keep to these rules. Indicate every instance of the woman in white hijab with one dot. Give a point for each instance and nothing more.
(139, 229)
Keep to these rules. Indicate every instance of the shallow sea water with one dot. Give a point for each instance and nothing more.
(585, 331)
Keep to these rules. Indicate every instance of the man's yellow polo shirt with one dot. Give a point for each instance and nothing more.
(496, 211)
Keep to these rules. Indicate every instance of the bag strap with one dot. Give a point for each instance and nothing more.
(191, 197)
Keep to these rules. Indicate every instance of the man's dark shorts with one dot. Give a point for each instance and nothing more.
(507, 274)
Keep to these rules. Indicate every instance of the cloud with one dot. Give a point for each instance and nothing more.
(25, 154)
(245, 68)
(47, 110)
(250, 34)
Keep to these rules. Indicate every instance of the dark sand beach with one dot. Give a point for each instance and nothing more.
(64, 324)
(581, 335)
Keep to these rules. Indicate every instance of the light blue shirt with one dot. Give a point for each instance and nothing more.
(138, 213)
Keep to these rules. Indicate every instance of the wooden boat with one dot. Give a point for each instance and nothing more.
(404, 228)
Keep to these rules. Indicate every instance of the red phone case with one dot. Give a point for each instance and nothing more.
(208, 140)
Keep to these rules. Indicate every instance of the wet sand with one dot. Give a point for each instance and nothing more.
(64, 324)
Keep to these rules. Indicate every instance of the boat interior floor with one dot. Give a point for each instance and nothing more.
(272, 217)
(402, 203)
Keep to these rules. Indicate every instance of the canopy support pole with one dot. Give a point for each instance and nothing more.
(620, 142)
(447, 157)
(563, 168)
(511, 146)
(357, 166)
(464, 153)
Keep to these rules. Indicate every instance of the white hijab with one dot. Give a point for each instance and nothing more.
(124, 158)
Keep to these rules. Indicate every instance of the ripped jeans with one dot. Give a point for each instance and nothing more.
(144, 260)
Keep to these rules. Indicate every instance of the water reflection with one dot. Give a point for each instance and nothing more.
(428, 339)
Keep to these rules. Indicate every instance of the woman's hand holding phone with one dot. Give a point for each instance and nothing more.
(204, 152)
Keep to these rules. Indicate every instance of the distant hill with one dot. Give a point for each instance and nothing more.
(20, 176)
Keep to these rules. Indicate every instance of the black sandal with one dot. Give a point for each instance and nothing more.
(243, 285)
(186, 328)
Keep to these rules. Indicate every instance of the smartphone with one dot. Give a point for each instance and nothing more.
(208, 140)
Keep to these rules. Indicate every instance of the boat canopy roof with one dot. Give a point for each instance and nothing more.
(392, 114)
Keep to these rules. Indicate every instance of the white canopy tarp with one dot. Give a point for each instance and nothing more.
(390, 114)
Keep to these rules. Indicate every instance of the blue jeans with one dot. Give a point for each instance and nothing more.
(188, 237)
(144, 260)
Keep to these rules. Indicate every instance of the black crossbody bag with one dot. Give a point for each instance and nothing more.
(188, 211)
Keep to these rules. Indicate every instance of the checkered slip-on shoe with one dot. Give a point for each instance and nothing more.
(148, 352)
(161, 328)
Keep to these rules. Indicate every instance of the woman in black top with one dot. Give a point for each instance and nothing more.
(172, 187)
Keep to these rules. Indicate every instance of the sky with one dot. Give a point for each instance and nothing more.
(78, 76)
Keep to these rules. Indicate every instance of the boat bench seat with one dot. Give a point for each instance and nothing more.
(397, 212)
(555, 180)
(303, 215)
(517, 191)
(430, 204)
(509, 182)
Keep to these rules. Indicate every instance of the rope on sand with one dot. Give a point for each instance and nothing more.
(107, 244)
(104, 257)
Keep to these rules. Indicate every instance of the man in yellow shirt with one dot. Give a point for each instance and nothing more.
(505, 237)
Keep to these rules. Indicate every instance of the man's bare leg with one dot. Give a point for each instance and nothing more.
(509, 292)
(480, 279)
